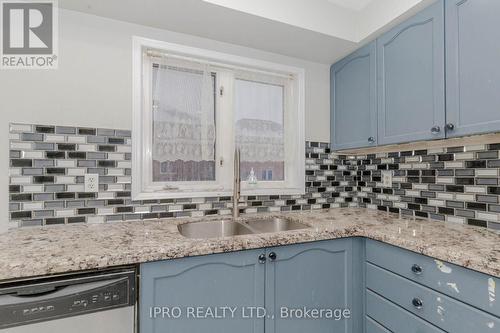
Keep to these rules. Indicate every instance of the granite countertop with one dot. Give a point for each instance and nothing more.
(41, 251)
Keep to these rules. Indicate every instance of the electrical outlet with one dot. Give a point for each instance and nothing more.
(91, 182)
(387, 178)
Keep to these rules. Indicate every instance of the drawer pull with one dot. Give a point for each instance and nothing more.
(416, 269)
(417, 303)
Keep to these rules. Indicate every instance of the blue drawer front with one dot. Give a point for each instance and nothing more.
(440, 310)
(374, 327)
(468, 286)
(395, 318)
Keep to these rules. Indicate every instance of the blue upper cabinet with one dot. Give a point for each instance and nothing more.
(472, 70)
(410, 69)
(393, 90)
(354, 100)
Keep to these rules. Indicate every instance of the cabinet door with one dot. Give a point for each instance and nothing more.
(354, 99)
(472, 71)
(410, 66)
(221, 280)
(315, 276)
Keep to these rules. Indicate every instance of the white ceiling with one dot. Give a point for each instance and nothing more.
(351, 4)
(316, 30)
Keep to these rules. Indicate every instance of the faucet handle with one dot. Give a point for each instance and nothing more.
(252, 179)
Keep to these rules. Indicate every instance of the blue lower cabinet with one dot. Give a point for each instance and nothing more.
(348, 285)
(312, 276)
(299, 288)
(197, 290)
(440, 310)
(467, 286)
(406, 287)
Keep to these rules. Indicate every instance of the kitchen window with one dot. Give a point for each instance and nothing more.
(194, 107)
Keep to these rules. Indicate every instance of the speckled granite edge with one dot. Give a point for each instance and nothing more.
(59, 249)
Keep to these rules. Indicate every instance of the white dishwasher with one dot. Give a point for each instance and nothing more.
(90, 303)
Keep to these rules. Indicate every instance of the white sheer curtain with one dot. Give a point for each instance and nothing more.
(259, 124)
(183, 121)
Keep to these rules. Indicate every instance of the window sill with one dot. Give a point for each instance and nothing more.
(207, 194)
(272, 191)
(179, 195)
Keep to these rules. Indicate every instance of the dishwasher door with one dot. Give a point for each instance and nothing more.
(109, 321)
(103, 302)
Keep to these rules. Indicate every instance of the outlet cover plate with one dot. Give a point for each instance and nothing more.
(387, 178)
(91, 181)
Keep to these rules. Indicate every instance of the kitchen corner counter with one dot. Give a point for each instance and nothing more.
(41, 251)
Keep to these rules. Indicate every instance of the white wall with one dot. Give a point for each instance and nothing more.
(92, 86)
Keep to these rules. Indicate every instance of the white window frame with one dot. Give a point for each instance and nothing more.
(142, 186)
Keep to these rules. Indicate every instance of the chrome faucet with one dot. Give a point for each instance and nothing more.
(236, 183)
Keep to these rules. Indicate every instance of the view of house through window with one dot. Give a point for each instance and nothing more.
(259, 111)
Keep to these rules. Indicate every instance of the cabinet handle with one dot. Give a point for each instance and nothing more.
(435, 129)
(371, 139)
(272, 256)
(417, 303)
(450, 127)
(262, 258)
(416, 269)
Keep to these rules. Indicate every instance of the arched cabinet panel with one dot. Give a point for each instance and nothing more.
(318, 275)
(410, 69)
(212, 282)
(472, 70)
(354, 100)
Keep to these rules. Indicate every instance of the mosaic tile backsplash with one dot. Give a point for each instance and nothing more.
(48, 164)
(456, 184)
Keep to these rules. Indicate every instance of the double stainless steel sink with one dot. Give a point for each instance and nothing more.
(229, 227)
